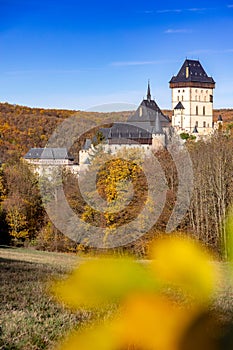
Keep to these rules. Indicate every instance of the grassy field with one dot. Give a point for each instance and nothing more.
(29, 317)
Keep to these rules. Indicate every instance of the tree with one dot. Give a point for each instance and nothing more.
(213, 189)
(23, 205)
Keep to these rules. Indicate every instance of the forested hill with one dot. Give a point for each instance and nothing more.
(22, 127)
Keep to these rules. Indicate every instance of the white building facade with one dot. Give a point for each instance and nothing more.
(192, 99)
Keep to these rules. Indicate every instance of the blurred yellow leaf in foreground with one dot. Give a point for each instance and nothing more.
(147, 318)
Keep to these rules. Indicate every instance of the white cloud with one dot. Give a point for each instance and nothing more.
(167, 11)
(196, 9)
(192, 9)
(230, 6)
(176, 31)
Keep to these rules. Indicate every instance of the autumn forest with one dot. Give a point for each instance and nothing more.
(24, 221)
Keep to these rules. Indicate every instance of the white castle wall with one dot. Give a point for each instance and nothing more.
(198, 109)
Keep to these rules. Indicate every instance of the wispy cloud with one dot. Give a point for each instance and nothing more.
(230, 6)
(192, 9)
(198, 9)
(138, 63)
(177, 31)
(170, 10)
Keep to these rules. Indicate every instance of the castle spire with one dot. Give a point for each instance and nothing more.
(148, 92)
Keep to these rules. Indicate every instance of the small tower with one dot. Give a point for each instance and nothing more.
(192, 98)
(218, 125)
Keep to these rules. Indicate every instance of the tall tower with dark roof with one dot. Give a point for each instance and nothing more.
(192, 98)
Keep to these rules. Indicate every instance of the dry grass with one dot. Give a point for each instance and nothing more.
(29, 317)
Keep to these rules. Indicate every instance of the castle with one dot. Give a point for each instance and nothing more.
(148, 128)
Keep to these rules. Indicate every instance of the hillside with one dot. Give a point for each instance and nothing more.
(22, 127)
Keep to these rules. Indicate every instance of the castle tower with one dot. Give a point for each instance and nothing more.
(192, 98)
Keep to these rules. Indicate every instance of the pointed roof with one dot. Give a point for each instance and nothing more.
(195, 131)
(87, 144)
(148, 92)
(147, 121)
(179, 106)
(192, 71)
(147, 110)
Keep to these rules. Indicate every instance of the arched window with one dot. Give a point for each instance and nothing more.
(196, 110)
(204, 124)
(204, 111)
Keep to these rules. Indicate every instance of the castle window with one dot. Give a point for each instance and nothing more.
(178, 99)
(211, 98)
(202, 91)
(207, 91)
(204, 124)
(204, 110)
(196, 110)
(197, 124)
(196, 90)
(183, 90)
(178, 90)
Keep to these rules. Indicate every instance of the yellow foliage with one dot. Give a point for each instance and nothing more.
(18, 223)
(184, 264)
(101, 281)
(147, 319)
(153, 322)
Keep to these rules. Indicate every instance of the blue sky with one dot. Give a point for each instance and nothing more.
(78, 54)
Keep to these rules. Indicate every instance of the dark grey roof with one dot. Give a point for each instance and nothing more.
(219, 118)
(195, 73)
(48, 153)
(147, 112)
(148, 120)
(125, 133)
(87, 144)
(179, 106)
(195, 131)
